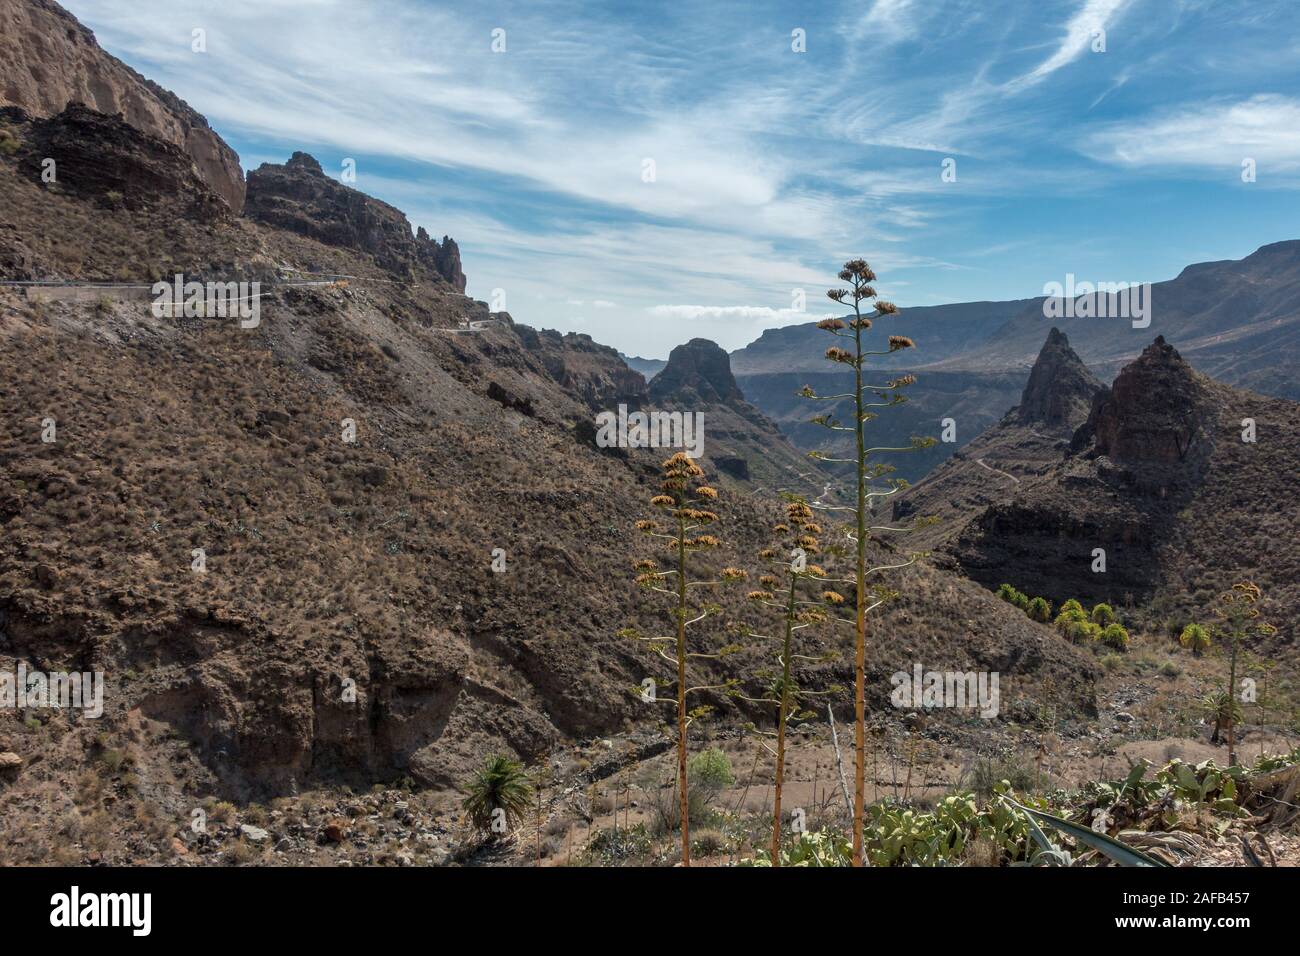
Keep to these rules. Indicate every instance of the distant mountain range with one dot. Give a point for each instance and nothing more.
(1237, 321)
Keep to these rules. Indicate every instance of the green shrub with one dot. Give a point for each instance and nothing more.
(710, 770)
(1068, 622)
(1013, 597)
(1195, 638)
(1113, 635)
(1111, 661)
(1169, 669)
(708, 774)
(1103, 614)
(1039, 609)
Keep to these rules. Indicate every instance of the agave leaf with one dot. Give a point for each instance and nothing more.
(1119, 852)
(1046, 845)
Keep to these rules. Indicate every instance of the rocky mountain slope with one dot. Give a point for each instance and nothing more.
(1184, 482)
(278, 542)
(740, 441)
(48, 60)
(1007, 457)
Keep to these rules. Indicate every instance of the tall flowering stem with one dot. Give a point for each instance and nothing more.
(1238, 618)
(870, 475)
(797, 543)
(683, 502)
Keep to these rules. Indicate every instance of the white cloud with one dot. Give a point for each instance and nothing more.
(1265, 128)
(888, 20)
(1092, 17)
(734, 312)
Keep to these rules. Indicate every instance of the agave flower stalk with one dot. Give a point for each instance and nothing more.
(1238, 617)
(785, 694)
(684, 501)
(866, 396)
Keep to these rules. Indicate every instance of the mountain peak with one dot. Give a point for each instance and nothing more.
(697, 372)
(1154, 411)
(1060, 387)
(299, 197)
(306, 162)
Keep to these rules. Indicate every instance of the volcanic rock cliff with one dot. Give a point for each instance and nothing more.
(299, 197)
(83, 153)
(1059, 392)
(1166, 482)
(48, 60)
(1008, 456)
(1155, 412)
(740, 440)
(699, 371)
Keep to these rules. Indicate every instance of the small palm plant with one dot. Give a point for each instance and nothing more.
(797, 542)
(1195, 638)
(871, 475)
(500, 795)
(684, 501)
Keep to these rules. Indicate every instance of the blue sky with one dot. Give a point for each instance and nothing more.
(771, 167)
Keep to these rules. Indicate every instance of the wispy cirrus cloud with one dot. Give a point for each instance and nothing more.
(769, 166)
(1091, 20)
(1217, 135)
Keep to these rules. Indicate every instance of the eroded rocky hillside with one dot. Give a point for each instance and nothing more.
(344, 624)
(1184, 482)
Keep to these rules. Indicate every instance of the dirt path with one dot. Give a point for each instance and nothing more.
(996, 471)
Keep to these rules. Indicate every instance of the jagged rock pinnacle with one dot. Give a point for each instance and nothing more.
(1060, 387)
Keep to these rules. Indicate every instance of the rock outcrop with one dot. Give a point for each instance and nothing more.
(1004, 458)
(299, 197)
(1060, 387)
(699, 371)
(48, 60)
(584, 368)
(104, 159)
(1161, 481)
(740, 441)
(1154, 412)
